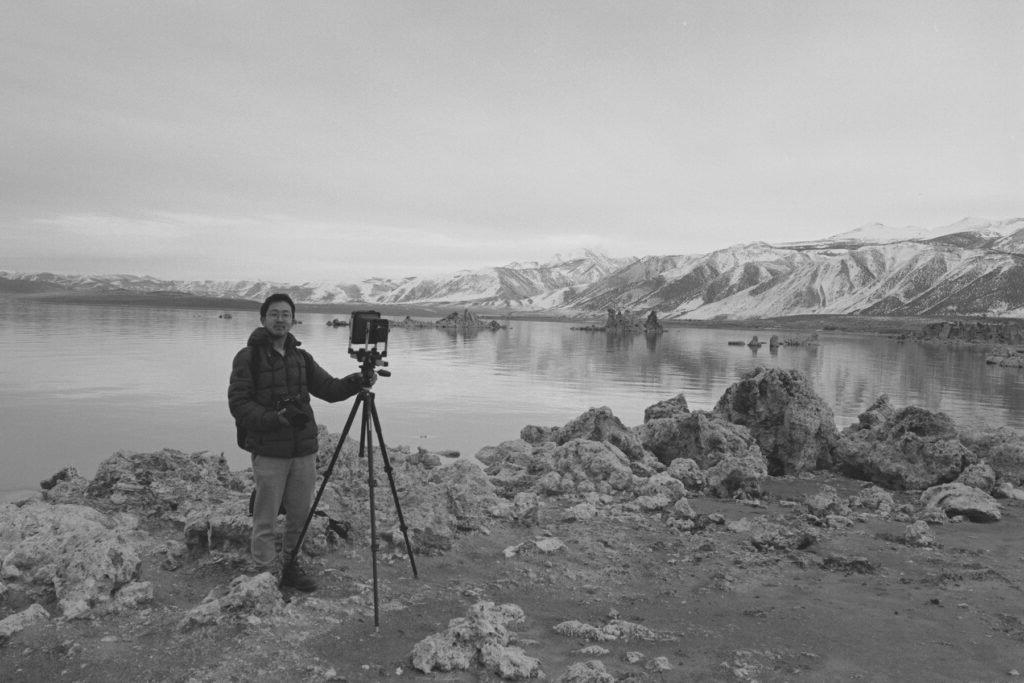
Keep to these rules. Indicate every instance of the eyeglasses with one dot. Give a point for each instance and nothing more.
(279, 315)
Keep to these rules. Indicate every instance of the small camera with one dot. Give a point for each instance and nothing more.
(293, 412)
(368, 328)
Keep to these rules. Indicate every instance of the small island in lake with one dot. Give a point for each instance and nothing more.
(626, 322)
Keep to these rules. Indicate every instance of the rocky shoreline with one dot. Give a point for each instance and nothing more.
(754, 541)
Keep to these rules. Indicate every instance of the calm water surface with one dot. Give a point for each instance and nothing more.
(80, 382)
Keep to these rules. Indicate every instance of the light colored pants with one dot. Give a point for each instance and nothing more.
(280, 480)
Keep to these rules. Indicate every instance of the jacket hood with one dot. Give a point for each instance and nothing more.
(260, 337)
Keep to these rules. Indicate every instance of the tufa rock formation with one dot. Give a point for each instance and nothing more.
(467, 321)
(626, 322)
(912, 448)
(482, 638)
(793, 426)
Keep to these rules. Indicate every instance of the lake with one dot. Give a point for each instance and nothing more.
(80, 382)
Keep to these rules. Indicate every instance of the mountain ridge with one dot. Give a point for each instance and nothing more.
(971, 267)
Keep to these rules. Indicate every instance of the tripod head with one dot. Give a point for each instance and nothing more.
(369, 359)
(369, 331)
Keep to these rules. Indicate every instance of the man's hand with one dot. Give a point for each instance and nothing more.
(364, 381)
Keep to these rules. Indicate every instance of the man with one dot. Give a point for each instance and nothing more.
(268, 394)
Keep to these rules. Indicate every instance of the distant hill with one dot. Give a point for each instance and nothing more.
(26, 285)
(972, 267)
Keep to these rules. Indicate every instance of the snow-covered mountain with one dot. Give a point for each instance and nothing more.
(518, 285)
(971, 267)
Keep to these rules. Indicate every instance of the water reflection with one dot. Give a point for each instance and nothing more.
(81, 382)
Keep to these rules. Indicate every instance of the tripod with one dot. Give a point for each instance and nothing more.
(368, 357)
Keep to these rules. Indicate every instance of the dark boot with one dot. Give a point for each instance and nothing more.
(292, 576)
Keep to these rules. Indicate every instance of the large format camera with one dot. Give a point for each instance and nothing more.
(368, 328)
(293, 412)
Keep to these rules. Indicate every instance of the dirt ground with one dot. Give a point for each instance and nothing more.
(858, 604)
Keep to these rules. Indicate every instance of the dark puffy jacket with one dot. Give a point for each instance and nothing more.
(294, 374)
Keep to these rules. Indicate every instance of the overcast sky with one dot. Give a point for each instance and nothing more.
(341, 140)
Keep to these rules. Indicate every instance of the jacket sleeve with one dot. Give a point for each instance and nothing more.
(328, 388)
(242, 397)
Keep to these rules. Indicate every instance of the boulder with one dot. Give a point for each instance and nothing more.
(19, 621)
(700, 436)
(966, 501)
(424, 458)
(768, 535)
(515, 466)
(979, 475)
(738, 476)
(581, 512)
(663, 484)
(877, 414)
(226, 528)
(670, 407)
(600, 424)
(66, 486)
(1002, 449)
(614, 629)
(80, 554)
(793, 426)
(682, 510)
(526, 508)
(687, 471)
(919, 534)
(538, 435)
(647, 467)
(167, 484)
(1008, 490)
(914, 449)
(247, 599)
(590, 671)
(437, 502)
(874, 498)
(481, 638)
(648, 503)
(826, 502)
(593, 466)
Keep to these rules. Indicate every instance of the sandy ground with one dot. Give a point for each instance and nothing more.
(856, 605)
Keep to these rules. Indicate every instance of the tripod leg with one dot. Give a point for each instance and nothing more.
(366, 439)
(360, 400)
(391, 480)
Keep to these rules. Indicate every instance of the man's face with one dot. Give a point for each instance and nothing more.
(278, 321)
